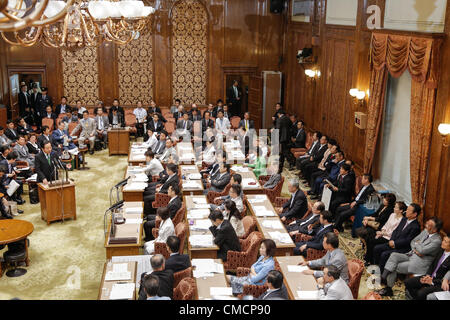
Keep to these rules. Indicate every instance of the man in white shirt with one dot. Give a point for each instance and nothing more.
(153, 165)
(169, 155)
(332, 286)
(140, 114)
(222, 124)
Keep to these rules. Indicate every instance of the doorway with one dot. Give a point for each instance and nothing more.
(243, 83)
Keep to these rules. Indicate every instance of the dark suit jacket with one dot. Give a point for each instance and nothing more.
(34, 101)
(316, 242)
(231, 97)
(43, 169)
(402, 238)
(165, 284)
(318, 155)
(166, 183)
(58, 109)
(159, 126)
(189, 125)
(120, 118)
(153, 110)
(24, 131)
(177, 115)
(443, 269)
(365, 195)
(382, 216)
(298, 208)
(346, 188)
(219, 183)
(304, 228)
(178, 262)
(251, 124)
(32, 149)
(283, 125)
(41, 139)
(174, 206)
(43, 102)
(23, 102)
(300, 138)
(205, 125)
(11, 134)
(279, 294)
(226, 239)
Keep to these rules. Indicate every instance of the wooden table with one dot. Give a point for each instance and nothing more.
(135, 154)
(118, 141)
(126, 230)
(248, 189)
(185, 153)
(198, 252)
(204, 284)
(12, 230)
(283, 249)
(128, 192)
(185, 172)
(106, 286)
(294, 280)
(230, 151)
(57, 202)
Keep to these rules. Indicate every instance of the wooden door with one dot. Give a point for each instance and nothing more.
(255, 100)
(14, 89)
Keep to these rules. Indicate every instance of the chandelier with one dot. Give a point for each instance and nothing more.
(88, 24)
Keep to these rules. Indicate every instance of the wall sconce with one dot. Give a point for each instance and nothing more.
(444, 131)
(312, 74)
(358, 96)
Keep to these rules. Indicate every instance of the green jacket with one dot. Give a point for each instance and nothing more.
(259, 168)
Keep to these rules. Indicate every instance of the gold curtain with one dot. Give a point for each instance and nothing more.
(395, 54)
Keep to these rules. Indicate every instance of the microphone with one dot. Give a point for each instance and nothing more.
(122, 183)
(116, 206)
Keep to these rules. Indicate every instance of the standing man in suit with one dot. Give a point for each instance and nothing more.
(283, 126)
(276, 290)
(297, 205)
(24, 100)
(343, 189)
(234, 95)
(44, 164)
(119, 109)
(309, 224)
(246, 122)
(345, 211)
(176, 262)
(101, 126)
(43, 101)
(141, 114)
(437, 277)
(332, 286)
(224, 235)
(334, 256)
(87, 126)
(35, 96)
(317, 241)
(401, 237)
(278, 109)
(424, 249)
(63, 107)
(164, 275)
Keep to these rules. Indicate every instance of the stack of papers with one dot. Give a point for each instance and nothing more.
(201, 240)
(200, 200)
(206, 267)
(295, 268)
(220, 291)
(135, 210)
(282, 237)
(188, 167)
(194, 176)
(143, 264)
(187, 156)
(140, 177)
(261, 211)
(198, 213)
(117, 276)
(122, 291)
(191, 185)
(33, 177)
(201, 224)
(135, 186)
(239, 169)
(273, 224)
(237, 154)
(308, 295)
(133, 221)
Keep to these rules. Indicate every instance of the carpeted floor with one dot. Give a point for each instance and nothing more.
(66, 259)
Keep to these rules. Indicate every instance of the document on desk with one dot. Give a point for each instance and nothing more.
(240, 169)
(143, 264)
(261, 211)
(33, 177)
(442, 295)
(198, 213)
(220, 291)
(136, 186)
(273, 224)
(195, 176)
(191, 185)
(199, 200)
(308, 295)
(134, 210)
(117, 276)
(296, 268)
(201, 240)
(282, 237)
(202, 224)
(140, 177)
(133, 221)
(189, 167)
(122, 291)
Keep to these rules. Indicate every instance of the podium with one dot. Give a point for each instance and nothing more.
(118, 141)
(54, 198)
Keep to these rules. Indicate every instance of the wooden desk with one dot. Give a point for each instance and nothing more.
(185, 172)
(12, 230)
(283, 249)
(248, 189)
(185, 153)
(204, 284)
(292, 280)
(235, 152)
(198, 252)
(136, 154)
(106, 286)
(130, 194)
(54, 199)
(118, 141)
(126, 230)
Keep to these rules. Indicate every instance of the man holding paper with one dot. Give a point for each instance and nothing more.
(44, 164)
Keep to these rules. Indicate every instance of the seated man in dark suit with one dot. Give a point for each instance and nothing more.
(164, 275)
(345, 211)
(154, 123)
(437, 277)
(276, 291)
(151, 288)
(297, 205)
(176, 261)
(224, 235)
(407, 230)
(316, 157)
(49, 115)
(10, 132)
(343, 189)
(298, 138)
(309, 224)
(317, 241)
(330, 173)
(221, 180)
(246, 123)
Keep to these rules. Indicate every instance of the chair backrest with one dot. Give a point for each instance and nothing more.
(251, 244)
(170, 127)
(161, 200)
(130, 119)
(185, 290)
(179, 216)
(358, 184)
(249, 223)
(235, 121)
(309, 140)
(72, 126)
(48, 122)
(180, 275)
(180, 232)
(355, 270)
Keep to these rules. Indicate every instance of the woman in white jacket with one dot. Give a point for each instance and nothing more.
(166, 229)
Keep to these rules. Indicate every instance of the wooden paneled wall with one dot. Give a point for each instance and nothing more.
(325, 104)
(240, 33)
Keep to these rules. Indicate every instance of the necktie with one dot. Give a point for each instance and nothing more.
(48, 159)
(26, 97)
(246, 124)
(184, 124)
(438, 265)
(292, 200)
(406, 224)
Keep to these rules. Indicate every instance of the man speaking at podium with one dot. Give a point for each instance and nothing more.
(45, 164)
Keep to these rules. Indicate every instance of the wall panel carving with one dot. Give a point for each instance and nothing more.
(135, 65)
(189, 51)
(80, 75)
